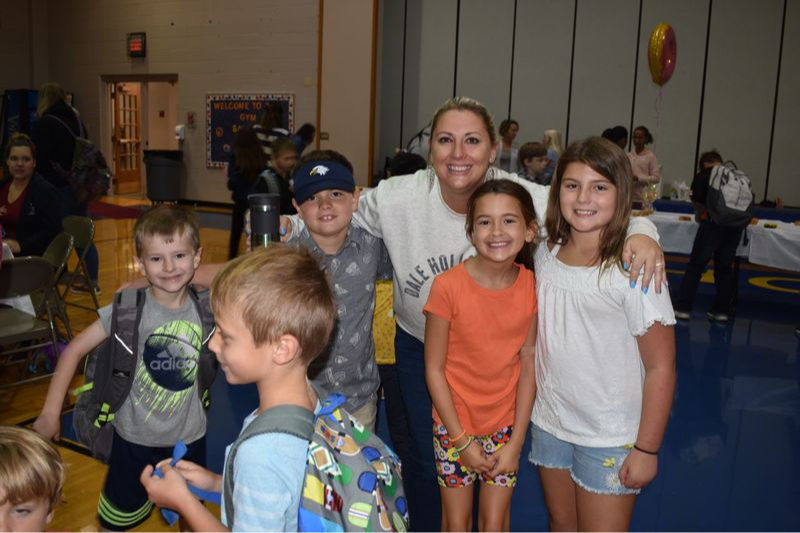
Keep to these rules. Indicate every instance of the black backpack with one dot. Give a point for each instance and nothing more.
(111, 367)
(89, 175)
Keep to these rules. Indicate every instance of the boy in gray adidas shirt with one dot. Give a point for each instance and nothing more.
(163, 405)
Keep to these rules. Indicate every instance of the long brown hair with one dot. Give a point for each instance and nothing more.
(608, 160)
(522, 196)
(250, 157)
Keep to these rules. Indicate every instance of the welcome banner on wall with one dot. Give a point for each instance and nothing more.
(227, 113)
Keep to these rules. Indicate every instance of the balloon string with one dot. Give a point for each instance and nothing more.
(658, 118)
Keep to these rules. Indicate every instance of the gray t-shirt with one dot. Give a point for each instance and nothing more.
(163, 406)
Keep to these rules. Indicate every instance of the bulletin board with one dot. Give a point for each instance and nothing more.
(227, 113)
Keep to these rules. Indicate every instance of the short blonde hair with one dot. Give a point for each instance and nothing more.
(166, 220)
(30, 467)
(277, 291)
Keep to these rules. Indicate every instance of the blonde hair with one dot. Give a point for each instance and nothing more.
(165, 220)
(30, 467)
(465, 103)
(49, 93)
(277, 291)
(554, 140)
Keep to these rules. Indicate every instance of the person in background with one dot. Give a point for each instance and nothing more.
(617, 135)
(303, 137)
(506, 150)
(552, 141)
(271, 127)
(712, 240)
(646, 169)
(276, 179)
(246, 164)
(533, 162)
(30, 210)
(420, 143)
(32, 476)
(54, 134)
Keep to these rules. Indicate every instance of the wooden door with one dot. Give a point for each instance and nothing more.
(127, 138)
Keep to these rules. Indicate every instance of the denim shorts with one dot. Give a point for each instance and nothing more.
(593, 469)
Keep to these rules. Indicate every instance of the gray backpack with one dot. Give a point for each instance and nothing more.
(730, 199)
(111, 367)
(352, 480)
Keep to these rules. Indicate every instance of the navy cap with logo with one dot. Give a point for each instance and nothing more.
(316, 176)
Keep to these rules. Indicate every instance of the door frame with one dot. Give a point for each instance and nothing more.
(106, 110)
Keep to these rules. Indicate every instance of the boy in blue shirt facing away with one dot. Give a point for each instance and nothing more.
(275, 311)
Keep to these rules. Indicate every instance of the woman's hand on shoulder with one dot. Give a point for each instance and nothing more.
(643, 255)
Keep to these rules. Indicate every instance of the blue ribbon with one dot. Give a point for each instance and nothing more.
(210, 496)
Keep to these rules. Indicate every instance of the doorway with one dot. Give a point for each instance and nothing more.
(142, 112)
(126, 125)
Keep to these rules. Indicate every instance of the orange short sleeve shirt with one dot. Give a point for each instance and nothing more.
(487, 329)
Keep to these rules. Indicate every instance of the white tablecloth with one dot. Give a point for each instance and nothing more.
(23, 303)
(775, 247)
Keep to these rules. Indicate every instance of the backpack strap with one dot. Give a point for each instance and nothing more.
(80, 135)
(111, 387)
(207, 362)
(290, 419)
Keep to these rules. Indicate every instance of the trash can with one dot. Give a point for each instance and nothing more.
(164, 174)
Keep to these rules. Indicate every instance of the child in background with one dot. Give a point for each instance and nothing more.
(605, 363)
(31, 480)
(163, 404)
(276, 178)
(479, 358)
(271, 346)
(533, 163)
(246, 164)
(552, 141)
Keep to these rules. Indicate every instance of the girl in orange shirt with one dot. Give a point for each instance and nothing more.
(479, 358)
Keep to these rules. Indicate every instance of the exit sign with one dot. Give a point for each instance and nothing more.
(137, 44)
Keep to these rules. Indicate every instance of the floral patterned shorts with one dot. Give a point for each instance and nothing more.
(452, 473)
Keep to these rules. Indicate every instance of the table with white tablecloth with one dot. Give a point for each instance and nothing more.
(23, 303)
(777, 247)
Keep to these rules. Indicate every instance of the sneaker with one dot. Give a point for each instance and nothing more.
(718, 316)
(682, 314)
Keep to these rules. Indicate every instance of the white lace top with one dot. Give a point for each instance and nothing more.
(589, 374)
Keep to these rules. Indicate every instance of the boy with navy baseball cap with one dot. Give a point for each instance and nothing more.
(326, 198)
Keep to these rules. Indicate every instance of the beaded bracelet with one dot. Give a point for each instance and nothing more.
(635, 447)
(464, 447)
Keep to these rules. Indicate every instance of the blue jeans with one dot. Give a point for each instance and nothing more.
(71, 206)
(419, 470)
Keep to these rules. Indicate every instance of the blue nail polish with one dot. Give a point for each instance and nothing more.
(645, 290)
(633, 283)
(283, 231)
(625, 265)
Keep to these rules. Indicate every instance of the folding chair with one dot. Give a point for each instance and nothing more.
(56, 253)
(82, 231)
(25, 276)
